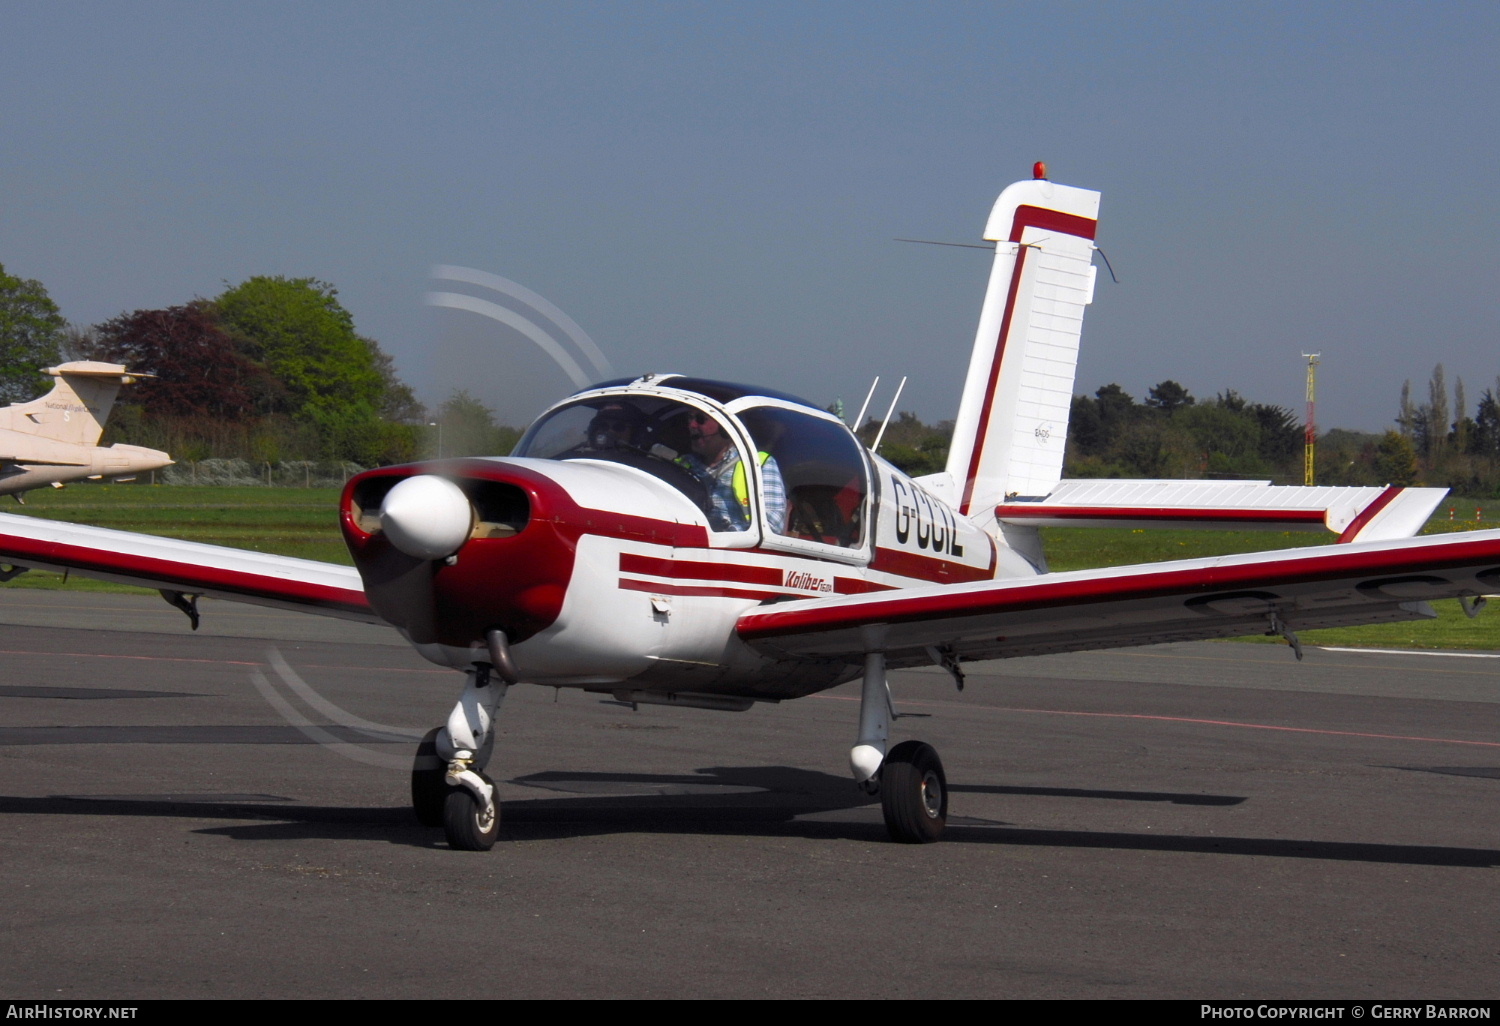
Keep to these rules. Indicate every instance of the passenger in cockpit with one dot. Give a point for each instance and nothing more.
(715, 460)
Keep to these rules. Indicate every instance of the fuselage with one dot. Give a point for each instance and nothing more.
(625, 559)
(35, 461)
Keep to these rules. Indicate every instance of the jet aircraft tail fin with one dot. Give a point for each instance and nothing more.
(1013, 418)
(76, 408)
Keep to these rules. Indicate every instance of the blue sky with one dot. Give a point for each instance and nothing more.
(715, 188)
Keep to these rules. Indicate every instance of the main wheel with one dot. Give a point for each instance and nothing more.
(914, 793)
(469, 828)
(428, 790)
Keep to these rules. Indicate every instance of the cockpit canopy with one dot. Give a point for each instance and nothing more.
(808, 480)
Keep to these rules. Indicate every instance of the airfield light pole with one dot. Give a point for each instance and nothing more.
(1310, 439)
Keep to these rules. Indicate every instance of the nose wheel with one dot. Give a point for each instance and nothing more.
(914, 793)
(448, 785)
(471, 825)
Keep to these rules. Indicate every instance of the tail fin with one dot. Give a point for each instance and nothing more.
(76, 408)
(1013, 419)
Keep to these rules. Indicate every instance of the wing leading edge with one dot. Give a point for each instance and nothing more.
(191, 567)
(1186, 600)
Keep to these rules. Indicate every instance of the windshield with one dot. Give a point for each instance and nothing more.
(670, 440)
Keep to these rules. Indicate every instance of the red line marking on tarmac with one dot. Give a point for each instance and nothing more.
(1211, 723)
(224, 662)
(110, 655)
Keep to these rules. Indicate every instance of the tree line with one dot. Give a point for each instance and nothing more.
(1168, 434)
(1171, 434)
(1439, 442)
(271, 370)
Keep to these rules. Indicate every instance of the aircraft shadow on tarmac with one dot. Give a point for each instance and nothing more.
(1121, 796)
(746, 801)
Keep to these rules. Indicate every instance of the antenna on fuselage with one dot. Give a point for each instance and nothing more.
(894, 400)
(859, 421)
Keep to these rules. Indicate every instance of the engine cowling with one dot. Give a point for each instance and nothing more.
(449, 550)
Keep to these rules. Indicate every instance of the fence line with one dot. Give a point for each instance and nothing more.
(281, 474)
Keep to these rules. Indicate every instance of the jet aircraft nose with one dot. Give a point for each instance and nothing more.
(427, 517)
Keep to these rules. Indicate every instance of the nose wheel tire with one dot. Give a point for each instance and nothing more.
(914, 793)
(468, 825)
(429, 792)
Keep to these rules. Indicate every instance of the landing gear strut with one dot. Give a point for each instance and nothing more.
(910, 780)
(448, 785)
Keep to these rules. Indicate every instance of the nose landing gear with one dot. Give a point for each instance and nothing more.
(448, 785)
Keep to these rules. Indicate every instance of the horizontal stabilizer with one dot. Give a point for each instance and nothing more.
(1353, 513)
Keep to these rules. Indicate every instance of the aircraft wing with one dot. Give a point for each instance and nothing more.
(182, 566)
(1185, 600)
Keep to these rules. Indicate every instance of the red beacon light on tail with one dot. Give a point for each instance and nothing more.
(1039, 170)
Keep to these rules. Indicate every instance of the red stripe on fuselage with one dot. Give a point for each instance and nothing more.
(739, 573)
(698, 591)
(858, 586)
(656, 566)
(927, 568)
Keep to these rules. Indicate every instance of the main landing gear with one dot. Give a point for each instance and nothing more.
(448, 785)
(909, 779)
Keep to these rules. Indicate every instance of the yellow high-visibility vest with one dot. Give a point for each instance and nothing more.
(741, 480)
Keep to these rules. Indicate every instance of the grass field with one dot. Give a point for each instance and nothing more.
(303, 522)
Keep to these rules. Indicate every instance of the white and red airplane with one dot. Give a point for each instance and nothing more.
(682, 541)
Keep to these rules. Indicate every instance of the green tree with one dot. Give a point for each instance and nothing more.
(329, 376)
(1396, 459)
(298, 330)
(1115, 404)
(1228, 440)
(32, 332)
(1484, 440)
(468, 428)
(1168, 397)
(1282, 435)
(398, 403)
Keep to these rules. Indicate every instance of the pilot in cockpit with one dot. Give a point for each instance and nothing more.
(616, 426)
(715, 460)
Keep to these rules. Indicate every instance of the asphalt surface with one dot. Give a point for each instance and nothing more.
(1197, 821)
